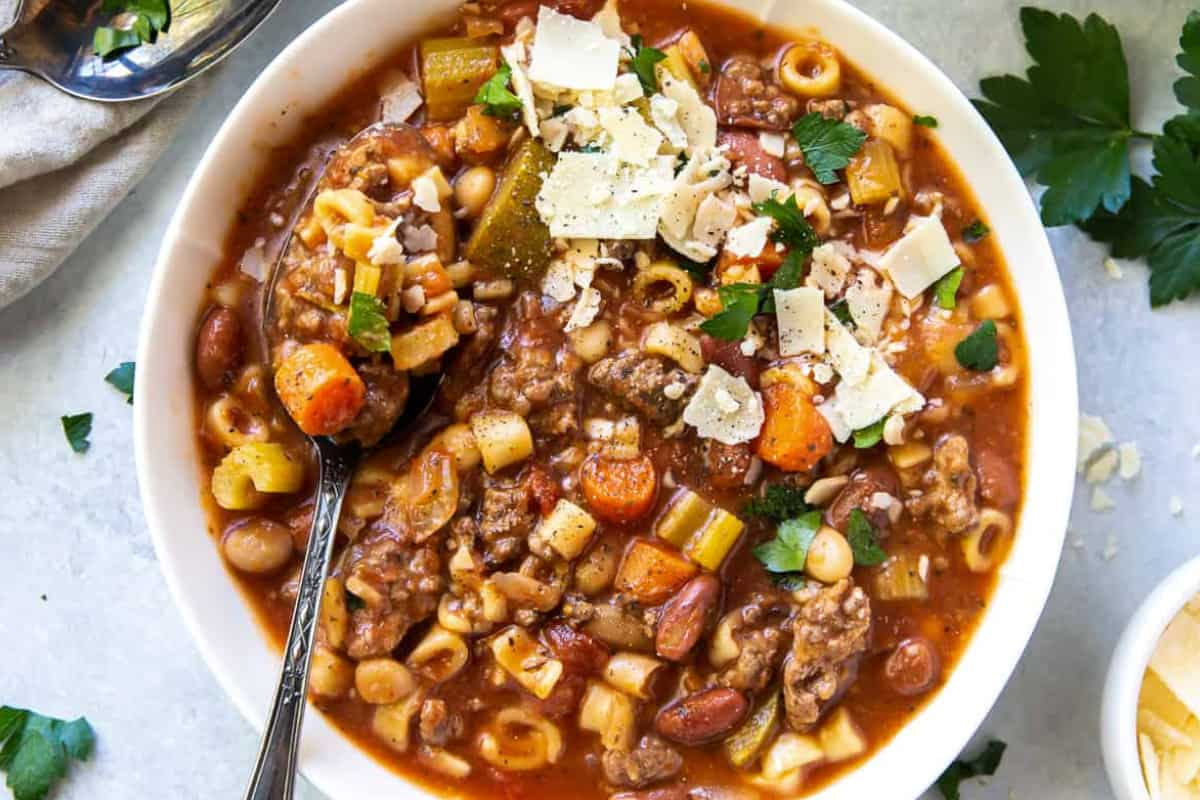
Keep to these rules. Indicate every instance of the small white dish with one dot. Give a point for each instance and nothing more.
(354, 37)
(1118, 709)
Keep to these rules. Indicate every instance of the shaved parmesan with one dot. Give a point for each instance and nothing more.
(920, 257)
(627, 88)
(425, 194)
(704, 174)
(762, 189)
(695, 116)
(386, 250)
(1103, 467)
(772, 143)
(868, 299)
(585, 311)
(572, 53)
(609, 20)
(749, 240)
(554, 132)
(401, 97)
(1101, 500)
(1094, 435)
(514, 56)
(851, 360)
(829, 270)
(714, 218)
(725, 408)
(663, 113)
(800, 315)
(853, 407)
(633, 141)
(627, 208)
(1131, 460)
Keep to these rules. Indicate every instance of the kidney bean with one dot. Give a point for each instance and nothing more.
(857, 494)
(218, 347)
(564, 699)
(999, 481)
(914, 667)
(685, 616)
(745, 149)
(579, 651)
(676, 791)
(729, 357)
(703, 716)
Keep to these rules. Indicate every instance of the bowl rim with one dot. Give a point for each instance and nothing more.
(1126, 672)
(911, 760)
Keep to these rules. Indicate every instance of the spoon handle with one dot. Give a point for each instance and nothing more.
(275, 773)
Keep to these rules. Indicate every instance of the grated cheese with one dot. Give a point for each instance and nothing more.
(1094, 436)
(1103, 467)
(663, 113)
(855, 406)
(630, 208)
(695, 116)
(571, 53)
(851, 360)
(772, 143)
(829, 269)
(627, 88)
(1131, 460)
(386, 250)
(800, 318)
(749, 240)
(1101, 501)
(922, 256)
(724, 408)
(585, 311)
(762, 189)
(633, 141)
(868, 298)
(705, 174)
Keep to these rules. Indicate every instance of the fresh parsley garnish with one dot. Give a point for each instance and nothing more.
(779, 502)
(790, 226)
(705, 68)
(869, 436)
(643, 62)
(975, 232)
(739, 305)
(827, 144)
(148, 19)
(696, 269)
(788, 551)
(864, 543)
(77, 428)
(984, 764)
(925, 121)
(121, 379)
(945, 291)
(496, 97)
(368, 325)
(37, 750)
(841, 310)
(980, 350)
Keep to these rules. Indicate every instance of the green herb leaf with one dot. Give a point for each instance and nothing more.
(827, 144)
(644, 60)
(1067, 123)
(790, 226)
(494, 94)
(975, 232)
(121, 379)
(1187, 89)
(368, 325)
(979, 351)
(945, 291)
(156, 12)
(869, 436)
(77, 428)
(779, 502)
(841, 310)
(925, 121)
(788, 276)
(696, 269)
(986, 763)
(705, 68)
(106, 41)
(788, 551)
(864, 543)
(36, 750)
(789, 581)
(739, 304)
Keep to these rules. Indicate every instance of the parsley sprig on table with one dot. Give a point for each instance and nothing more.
(982, 765)
(1067, 123)
(36, 750)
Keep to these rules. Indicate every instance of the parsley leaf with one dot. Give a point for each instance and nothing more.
(790, 226)
(946, 289)
(788, 551)
(36, 750)
(705, 68)
(149, 18)
(106, 41)
(841, 310)
(827, 144)
(121, 379)
(925, 121)
(779, 502)
(975, 232)
(494, 94)
(739, 304)
(986, 763)
(863, 541)
(644, 60)
(869, 436)
(788, 276)
(696, 269)
(979, 351)
(367, 324)
(77, 428)
(1187, 89)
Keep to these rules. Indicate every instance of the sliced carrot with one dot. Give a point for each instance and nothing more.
(320, 389)
(794, 436)
(619, 490)
(651, 573)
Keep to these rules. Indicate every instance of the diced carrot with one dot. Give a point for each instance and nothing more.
(794, 436)
(320, 389)
(619, 490)
(651, 574)
(733, 269)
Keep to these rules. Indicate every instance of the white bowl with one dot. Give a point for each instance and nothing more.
(351, 39)
(1118, 709)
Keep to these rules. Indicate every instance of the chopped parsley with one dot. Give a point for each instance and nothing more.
(77, 428)
(841, 310)
(779, 502)
(980, 350)
(148, 18)
(788, 551)
(37, 750)
(869, 436)
(925, 121)
(705, 68)
(368, 325)
(496, 97)
(790, 226)
(827, 144)
(945, 291)
(121, 379)
(984, 764)
(864, 542)
(644, 60)
(739, 304)
(975, 232)
(696, 269)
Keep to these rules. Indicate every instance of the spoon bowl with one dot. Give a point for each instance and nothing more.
(54, 42)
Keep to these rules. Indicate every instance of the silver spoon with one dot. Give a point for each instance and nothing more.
(275, 771)
(54, 42)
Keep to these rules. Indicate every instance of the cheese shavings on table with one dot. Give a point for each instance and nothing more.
(1168, 720)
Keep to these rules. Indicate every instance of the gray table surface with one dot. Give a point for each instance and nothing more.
(87, 627)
